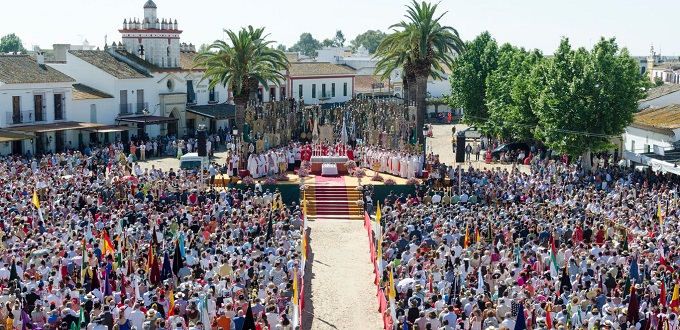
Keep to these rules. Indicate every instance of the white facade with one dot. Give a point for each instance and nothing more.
(337, 89)
(640, 141)
(50, 95)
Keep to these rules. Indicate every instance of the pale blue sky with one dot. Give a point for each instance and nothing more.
(530, 23)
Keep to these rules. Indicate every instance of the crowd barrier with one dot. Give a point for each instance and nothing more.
(382, 299)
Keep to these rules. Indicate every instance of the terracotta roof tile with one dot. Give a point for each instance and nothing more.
(365, 83)
(660, 91)
(109, 64)
(665, 118)
(23, 69)
(186, 61)
(84, 92)
(300, 69)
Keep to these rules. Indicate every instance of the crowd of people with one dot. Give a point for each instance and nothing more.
(96, 242)
(554, 246)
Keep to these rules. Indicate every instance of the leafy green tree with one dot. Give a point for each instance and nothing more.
(510, 91)
(430, 47)
(281, 47)
(307, 45)
(203, 48)
(11, 43)
(327, 43)
(468, 78)
(587, 97)
(339, 39)
(369, 39)
(242, 63)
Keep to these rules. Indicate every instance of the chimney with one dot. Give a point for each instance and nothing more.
(41, 57)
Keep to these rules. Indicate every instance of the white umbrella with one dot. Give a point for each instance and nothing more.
(404, 284)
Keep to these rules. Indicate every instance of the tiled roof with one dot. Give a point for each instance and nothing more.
(660, 91)
(186, 61)
(109, 64)
(365, 83)
(23, 69)
(661, 119)
(84, 92)
(136, 60)
(301, 69)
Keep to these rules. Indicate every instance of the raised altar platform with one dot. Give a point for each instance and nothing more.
(319, 161)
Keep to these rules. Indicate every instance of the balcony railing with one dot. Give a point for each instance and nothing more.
(125, 108)
(142, 106)
(214, 97)
(24, 117)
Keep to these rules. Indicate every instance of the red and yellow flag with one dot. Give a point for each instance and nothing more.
(107, 246)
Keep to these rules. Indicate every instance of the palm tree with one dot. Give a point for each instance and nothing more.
(426, 45)
(243, 63)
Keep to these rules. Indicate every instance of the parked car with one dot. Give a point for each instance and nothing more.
(496, 153)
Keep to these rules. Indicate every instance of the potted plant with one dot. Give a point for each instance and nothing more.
(390, 182)
(248, 181)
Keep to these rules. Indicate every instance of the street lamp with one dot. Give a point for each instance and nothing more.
(425, 131)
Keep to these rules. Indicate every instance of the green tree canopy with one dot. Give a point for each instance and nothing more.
(469, 75)
(587, 97)
(510, 91)
(11, 43)
(339, 39)
(369, 39)
(242, 63)
(307, 45)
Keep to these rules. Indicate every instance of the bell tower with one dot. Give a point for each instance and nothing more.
(153, 40)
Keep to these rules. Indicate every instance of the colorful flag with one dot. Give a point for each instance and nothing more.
(521, 323)
(107, 246)
(295, 287)
(171, 312)
(83, 266)
(35, 200)
(675, 300)
(548, 317)
(378, 214)
(634, 272)
(249, 322)
(553, 258)
(304, 246)
(150, 257)
(467, 236)
(477, 237)
(663, 295)
(393, 291)
(658, 211)
(633, 312)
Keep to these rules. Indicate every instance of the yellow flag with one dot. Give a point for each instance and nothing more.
(172, 300)
(393, 290)
(304, 207)
(295, 288)
(378, 214)
(35, 200)
(658, 212)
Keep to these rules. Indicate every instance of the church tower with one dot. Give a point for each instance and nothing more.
(650, 59)
(149, 39)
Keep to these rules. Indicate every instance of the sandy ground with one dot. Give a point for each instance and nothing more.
(340, 293)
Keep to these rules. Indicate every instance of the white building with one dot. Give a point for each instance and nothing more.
(652, 139)
(660, 96)
(318, 83)
(37, 99)
(152, 92)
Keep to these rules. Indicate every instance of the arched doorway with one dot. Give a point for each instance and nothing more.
(172, 126)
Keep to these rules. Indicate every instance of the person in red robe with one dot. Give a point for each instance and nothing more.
(350, 154)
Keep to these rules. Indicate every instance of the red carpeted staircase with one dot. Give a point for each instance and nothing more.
(333, 202)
